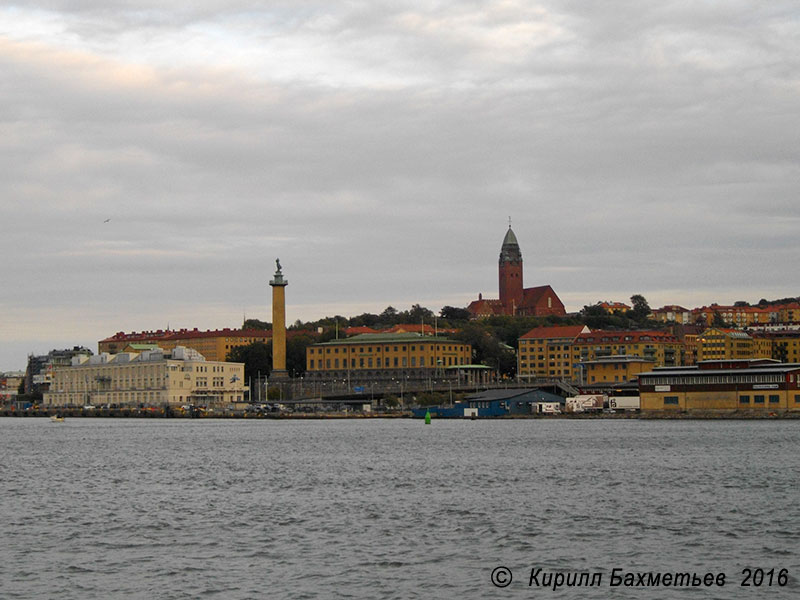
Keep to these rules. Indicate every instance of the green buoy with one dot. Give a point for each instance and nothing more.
(427, 417)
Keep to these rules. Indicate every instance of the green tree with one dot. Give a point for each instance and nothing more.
(451, 313)
(257, 359)
(487, 348)
(296, 353)
(717, 320)
(419, 313)
(256, 324)
(389, 316)
(641, 309)
(364, 320)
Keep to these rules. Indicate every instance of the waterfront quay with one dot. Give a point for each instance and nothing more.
(202, 413)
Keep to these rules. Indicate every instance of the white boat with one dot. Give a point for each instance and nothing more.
(56, 418)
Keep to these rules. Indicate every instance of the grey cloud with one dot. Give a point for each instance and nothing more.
(633, 154)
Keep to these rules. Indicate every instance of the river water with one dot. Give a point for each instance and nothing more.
(105, 508)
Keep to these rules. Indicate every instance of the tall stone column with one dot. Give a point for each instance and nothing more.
(278, 284)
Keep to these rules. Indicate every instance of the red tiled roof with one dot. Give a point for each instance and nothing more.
(410, 328)
(614, 305)
(671, 308)
(735, 309)
(359, 330)
(486, 307)
(531, 295)
(619, 336)
(564, 331)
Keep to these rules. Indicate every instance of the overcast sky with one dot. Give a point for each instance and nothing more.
(378, 148)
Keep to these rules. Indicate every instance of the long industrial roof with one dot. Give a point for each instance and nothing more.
(381, 338)
(760, 370)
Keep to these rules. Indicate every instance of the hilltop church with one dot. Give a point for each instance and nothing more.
(514, 299)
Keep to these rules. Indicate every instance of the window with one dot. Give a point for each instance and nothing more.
(797, 398)
(670, 400)
(744, 400)
(774, 398)
(758, 399)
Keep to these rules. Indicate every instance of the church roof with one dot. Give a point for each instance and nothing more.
(510, 239)
(510, 251)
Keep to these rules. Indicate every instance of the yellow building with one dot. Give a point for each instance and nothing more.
(616, 369)
(757, 385)
(614, 307)
(660, 346)
(783, 345)
(690, 349)
(735, 316)
(731, 344)
(788, 313)
(672, 313)
(375, 356)
(547, 353)
(214, 345)
(151, 378)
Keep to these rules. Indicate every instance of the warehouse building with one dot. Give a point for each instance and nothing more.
(724, 386)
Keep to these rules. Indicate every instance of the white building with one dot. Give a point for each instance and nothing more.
(150, 378)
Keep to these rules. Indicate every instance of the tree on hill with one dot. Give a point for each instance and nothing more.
(296, 353)
(595, 316)
(420, 313)
(256, 324)
(641, 309)
(389, 315)
(765, 302)
(487, 348)
(364, 320)
(257, 358)
(451, 313)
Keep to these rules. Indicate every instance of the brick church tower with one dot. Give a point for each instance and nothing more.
(510, 274)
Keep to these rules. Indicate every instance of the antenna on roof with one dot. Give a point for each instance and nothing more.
(509, 222)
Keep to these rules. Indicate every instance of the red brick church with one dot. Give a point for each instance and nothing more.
(514, 299)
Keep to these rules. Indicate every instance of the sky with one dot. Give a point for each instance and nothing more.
(155, 160)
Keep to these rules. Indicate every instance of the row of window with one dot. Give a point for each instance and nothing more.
(759, 399)
(744, 399)
(706, 379)
(445, 361)
(369, 349)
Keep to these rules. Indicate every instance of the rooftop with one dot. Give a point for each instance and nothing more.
(556, 332)
(179, 334)
(380, 338)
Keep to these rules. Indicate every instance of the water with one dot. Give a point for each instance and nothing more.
(96, 508)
